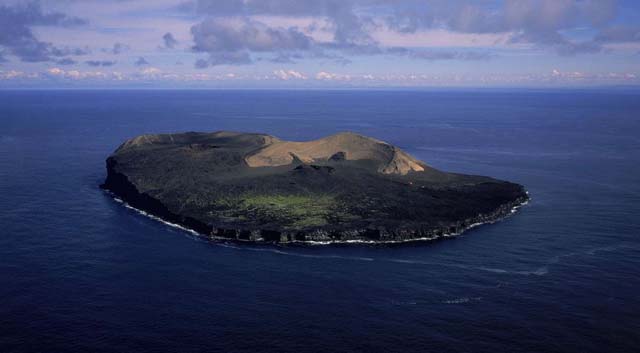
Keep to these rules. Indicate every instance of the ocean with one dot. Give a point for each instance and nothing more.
(81, 273)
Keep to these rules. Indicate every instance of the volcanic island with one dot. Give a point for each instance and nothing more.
(342, 188)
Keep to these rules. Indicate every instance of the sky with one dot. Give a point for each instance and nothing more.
(319, 43)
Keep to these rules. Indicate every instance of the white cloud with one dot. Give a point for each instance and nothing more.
(151, 71)
(74, 74)
(55, 71)
(11, 74)
(59, 73)
(281, 78)
(289, 75)
(328, 76)
(569, 75)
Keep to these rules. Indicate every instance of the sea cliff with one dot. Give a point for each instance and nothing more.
(344, 188)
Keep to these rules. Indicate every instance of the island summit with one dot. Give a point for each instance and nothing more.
(341, 188)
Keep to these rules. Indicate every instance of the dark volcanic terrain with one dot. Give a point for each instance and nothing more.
(344, 187)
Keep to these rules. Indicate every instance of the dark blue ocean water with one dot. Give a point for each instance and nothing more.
(81, 273)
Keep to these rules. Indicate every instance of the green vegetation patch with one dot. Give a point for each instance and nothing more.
(298, 211)
(292, 211)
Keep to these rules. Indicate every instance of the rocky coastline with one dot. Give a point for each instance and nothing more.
(404, 229)
(148, 206)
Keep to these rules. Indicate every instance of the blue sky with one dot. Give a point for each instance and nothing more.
(319, 43)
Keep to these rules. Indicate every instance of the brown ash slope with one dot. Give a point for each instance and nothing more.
(344, 187)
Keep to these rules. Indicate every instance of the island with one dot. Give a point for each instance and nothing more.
(341, 188)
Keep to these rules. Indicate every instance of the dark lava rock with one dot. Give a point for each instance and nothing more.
(344, 187)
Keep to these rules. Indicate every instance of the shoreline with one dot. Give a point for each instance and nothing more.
(498, 216)
(373, 207)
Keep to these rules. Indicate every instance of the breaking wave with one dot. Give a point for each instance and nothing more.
(540, 271)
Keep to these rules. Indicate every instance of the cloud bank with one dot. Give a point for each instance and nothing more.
(17, 37)
(322, 41)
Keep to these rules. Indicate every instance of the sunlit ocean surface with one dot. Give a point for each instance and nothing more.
(81, 273)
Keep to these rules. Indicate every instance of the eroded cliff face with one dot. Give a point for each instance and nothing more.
(205, 183)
